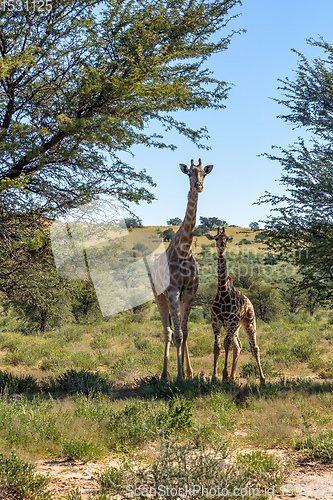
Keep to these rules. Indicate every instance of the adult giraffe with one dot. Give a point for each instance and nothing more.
(177, 299)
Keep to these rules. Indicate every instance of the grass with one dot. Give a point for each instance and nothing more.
(318, 446)
(94, 390)
(20, 477)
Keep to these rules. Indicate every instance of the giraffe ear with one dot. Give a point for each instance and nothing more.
(208, 169)
(184, 168)
(209, 236)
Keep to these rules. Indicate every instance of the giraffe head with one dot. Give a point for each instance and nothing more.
(196, 174)
(221, 239)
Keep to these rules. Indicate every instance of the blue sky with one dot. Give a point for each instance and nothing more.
(248, 126)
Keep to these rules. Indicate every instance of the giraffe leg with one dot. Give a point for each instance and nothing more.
(236, 347)
(232, 329)
(173, 300)
(163, 308)
(249, 325)
(185, 309)
(216, 324)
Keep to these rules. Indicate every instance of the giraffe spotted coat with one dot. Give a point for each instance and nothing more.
(231, 309)
(177, 299)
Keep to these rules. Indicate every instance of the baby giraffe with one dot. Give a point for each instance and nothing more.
(231, 309)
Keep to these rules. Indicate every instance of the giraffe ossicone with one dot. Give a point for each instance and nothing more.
(176, 300)
(231, 309)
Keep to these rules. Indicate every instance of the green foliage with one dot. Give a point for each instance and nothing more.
(130, 52)
(20, 476)
(197, 386)
(318, 446)
(83, 300)
(254, 226)
(168, 234)
(244, 241)
(196, 315)
(265, 299)
(81, 449)
(265, 468)
(133, 222)
(177, 466)
(77, 381)
(175, 221)
(182, 466)
(209, 223)
(300, 227)
(198, 231)
(224, 410)
(110, 479)
(250, 369)
(140, 421)
(17, 383)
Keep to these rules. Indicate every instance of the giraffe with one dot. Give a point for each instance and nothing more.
(231, 309)
(182, 268)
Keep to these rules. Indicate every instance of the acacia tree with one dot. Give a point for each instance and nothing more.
(175, 221)
(211, 222)
(78, 85)
(300, 228)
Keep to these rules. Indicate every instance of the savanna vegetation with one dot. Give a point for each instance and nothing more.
(87, 387)
(79, 84)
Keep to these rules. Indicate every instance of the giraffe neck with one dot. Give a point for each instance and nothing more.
(222, 271)
(184, 236)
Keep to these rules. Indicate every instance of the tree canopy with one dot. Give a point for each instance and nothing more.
(300, 227)
(175, 221)
(80, 83)
(211, 222)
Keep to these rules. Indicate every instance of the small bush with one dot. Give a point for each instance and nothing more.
(265, 469)
(250, 369)
(80, 449)
(141, 421)
(318, 446)
(17, 383)
(21, 477)
(81, 381)
(196, 316)
(177, 466)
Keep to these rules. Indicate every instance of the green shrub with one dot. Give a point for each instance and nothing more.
(177, 466)
(264, 469)
(207, 435)
(21, 477)
(318, 446)
(17, 383)
(140, 421)
(224, 410)
(80, 448)
(250, 369)
(94, 406)
(303, 350)
(81, 381)
(196, 315)
(201, 345)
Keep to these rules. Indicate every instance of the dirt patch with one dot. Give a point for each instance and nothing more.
(67, 475)
(8, 494)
